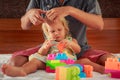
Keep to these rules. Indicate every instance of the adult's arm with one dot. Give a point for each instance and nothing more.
(91, 17)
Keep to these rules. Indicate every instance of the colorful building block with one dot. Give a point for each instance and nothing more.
(51, 56)
(112, 66)
(61, 47)
(67, 73)
(54, 63)
(61, 56)
(59, 59)
(88, 69)
(73, 72)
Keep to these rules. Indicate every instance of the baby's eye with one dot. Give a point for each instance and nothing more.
(59, 29)
(52, 31)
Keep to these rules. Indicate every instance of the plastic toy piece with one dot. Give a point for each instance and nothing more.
(54, 63)
(112, 63)
(82, 75)
(115, 74)
(68, 61)
(112, 66)
(61, 47)
(49, 70)
(88, 70)
(51, 56)
(61, 56)
(59, 59)
(73, 72)
(67, 73)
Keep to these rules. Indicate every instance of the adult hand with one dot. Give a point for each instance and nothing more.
(35, 17)
(58, 12)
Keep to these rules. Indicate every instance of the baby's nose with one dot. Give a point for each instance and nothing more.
(56, 33)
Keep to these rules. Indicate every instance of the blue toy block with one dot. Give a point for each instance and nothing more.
(61, 56)
(82, 75)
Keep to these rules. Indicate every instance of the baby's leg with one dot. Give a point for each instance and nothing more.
(104, 57)
(96, 67)
(18, 61)
(21, 57)
(27, 68)
(12, 70)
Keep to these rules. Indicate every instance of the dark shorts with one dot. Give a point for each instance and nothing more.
(93, 54)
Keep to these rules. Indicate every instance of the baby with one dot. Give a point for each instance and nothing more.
(56, 32)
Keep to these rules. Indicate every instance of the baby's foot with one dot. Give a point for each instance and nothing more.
(12, 70)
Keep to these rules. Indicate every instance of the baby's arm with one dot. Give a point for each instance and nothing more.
(73, 45)
(45, 47)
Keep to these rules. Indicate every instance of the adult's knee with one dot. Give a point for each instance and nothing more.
(83, 61)
(104, 57)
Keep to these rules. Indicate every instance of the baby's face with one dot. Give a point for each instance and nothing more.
(56, 31)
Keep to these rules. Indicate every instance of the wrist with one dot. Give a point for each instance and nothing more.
(42, 54)
(42, 51)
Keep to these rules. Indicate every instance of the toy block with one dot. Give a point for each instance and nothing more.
(49, 70)
(69, 61)
(115, 74)
(51, 56)
(82, 75)
(61, 56)
(67, 73)
(79, 66)
(61, 47)
(57, 73)
(112, 64)
(68, 53)
(54, 63)
(88, 69)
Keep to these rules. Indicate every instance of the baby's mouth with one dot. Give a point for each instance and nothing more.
(57, 38)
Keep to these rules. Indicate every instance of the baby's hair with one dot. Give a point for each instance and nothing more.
(64, 23)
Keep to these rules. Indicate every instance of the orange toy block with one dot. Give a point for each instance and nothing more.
(112, 63)
(60, 47)
(88, 69)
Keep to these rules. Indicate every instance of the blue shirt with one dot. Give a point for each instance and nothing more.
(77, 29)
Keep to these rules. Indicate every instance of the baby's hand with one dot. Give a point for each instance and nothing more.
(65, 42)
(47, 44)
(45, 47)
